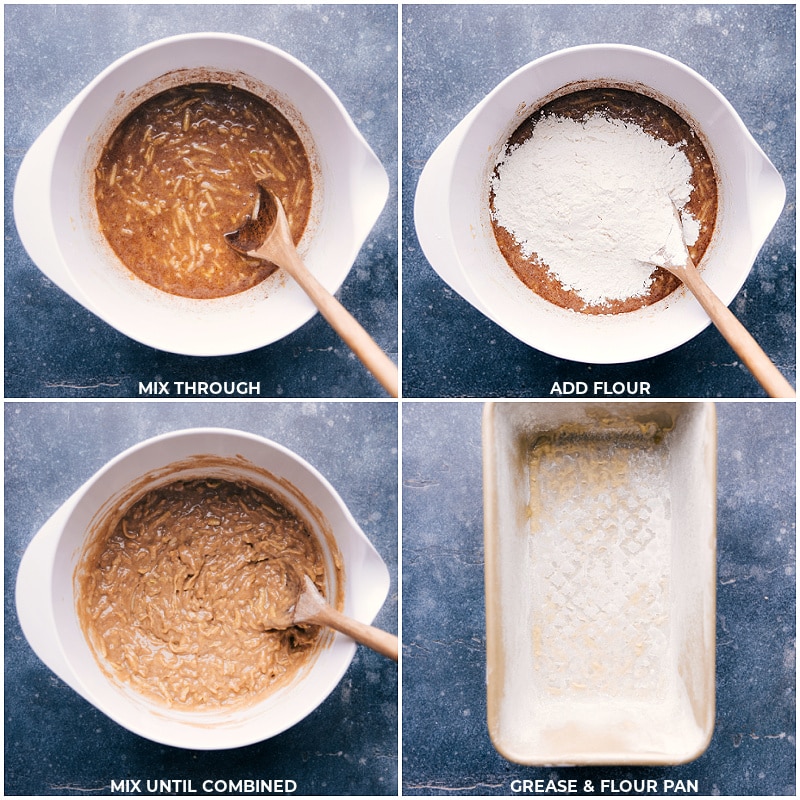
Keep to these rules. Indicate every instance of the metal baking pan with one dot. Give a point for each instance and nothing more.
(600, 537)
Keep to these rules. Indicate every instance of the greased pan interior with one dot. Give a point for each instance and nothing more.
(600, 535)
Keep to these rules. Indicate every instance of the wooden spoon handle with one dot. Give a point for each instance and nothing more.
(739, 338)
(382, 642)
(346, 325)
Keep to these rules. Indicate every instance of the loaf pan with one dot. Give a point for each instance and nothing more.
(600, 537)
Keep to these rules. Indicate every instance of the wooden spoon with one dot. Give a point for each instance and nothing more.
(266, 235)
(674, 257)
(310, 606)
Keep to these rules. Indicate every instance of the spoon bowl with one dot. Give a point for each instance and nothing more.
(45, 592)
(266, 235)
(307, 605)
(675, 258)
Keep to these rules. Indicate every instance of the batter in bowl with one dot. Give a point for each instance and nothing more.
(584, 194)
(181, 170)
(174, 594)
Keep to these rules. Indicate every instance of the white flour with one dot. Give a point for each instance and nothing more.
(593, 199)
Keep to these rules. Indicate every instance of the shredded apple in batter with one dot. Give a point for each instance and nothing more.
(181, 169)
(174, 594)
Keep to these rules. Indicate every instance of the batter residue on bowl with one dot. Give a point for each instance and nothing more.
(585, 191)
(180, 171)
(174, 594)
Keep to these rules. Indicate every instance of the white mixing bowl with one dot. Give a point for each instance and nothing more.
(46, 587)
(451, 210)
(57, 221)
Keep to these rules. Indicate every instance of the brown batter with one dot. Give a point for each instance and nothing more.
(173, 596)
(659, 121)
(180, 171)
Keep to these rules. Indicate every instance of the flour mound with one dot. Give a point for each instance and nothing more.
(593, 200)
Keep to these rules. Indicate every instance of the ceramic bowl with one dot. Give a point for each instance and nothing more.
(57, 220)
(45, 590)
(452, 213)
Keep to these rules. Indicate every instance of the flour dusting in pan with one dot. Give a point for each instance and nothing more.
(600, 567)
(600, 581)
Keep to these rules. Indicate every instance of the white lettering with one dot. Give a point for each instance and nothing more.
(618, 388)
(249, 786)
(170, 786)
(625, 786)
(127, 785)
(567, 388)
(205, 389)
(154, 387)
(544, 786)
(599, 388)
(686, 786)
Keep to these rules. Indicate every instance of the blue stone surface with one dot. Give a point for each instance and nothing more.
(454, 55)
(56, 348)
(56, 743)
(446, 745)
